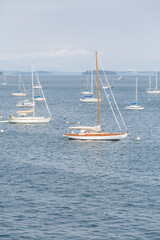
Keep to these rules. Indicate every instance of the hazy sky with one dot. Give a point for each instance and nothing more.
(62, 35)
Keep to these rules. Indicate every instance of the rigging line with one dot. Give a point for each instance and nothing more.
(42, 91)
(114, 98)
(111, 106)
(22, 84)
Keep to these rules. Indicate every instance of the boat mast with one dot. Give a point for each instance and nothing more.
(33, 93)
(19, 82)
(150, 82)
(136, 90)
(42, 92)
(98, 91)
(156, 80)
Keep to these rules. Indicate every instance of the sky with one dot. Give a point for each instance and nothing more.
(62, 35)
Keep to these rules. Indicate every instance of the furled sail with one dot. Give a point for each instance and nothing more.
(95, 129)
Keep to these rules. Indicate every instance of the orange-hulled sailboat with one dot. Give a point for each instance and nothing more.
(94, 133)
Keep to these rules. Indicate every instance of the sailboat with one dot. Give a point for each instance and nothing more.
(152, 91)
(38, 96)
(89, 98)
(108, 86)
(134, 106)
(24, 115)
(94, 133)
(25, 103)
(4, 80)
(20, 93)
(87, 91)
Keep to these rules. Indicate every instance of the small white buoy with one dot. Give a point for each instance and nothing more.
(78, 122)
(138, 139)
(1, 130)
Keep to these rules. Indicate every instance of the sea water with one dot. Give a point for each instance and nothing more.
(54, 188)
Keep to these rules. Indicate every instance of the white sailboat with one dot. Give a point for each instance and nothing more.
(25, 103)
(134, 106)
(38, 96)
(153, 91)
(4, 80)
(20, 93)
(87, 91)
(108, 86)
(89, 98)
(94, 133)
(29, 116)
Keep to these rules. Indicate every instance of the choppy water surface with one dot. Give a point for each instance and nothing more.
(53, 188)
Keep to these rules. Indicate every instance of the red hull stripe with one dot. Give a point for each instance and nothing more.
(94, 135)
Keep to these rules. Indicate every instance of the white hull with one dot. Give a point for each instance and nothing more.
(134, 107)
(86, 93)
(89, 100)
(25, 104)
(38, 86)
(97, 137)
(29, 120)
(153, 91)
(39, 99)
(106, 87)
(19, 94)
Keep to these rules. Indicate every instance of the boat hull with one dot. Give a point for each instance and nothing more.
(29, 120)
(107, 87)
(19, 94)
(153, 91)
(39, 99)
(97, 137)
(24, 105)
(134, 107)
(86, 93)
(89, 100)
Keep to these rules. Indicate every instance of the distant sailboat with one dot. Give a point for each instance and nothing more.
(94, 133)
(108, 86)
(153, 91)
(38, 92)
(4, 80)
(87, 91)
(134, 106)
(33, 119)
(20, 93)
(25, 103)
(89, 98)
(121, 77)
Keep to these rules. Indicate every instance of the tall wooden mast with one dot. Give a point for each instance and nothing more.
(98, 90)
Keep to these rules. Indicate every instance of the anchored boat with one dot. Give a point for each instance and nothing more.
(94, 133)
(29, 116)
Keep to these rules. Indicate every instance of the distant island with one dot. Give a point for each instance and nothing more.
(101, 72)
